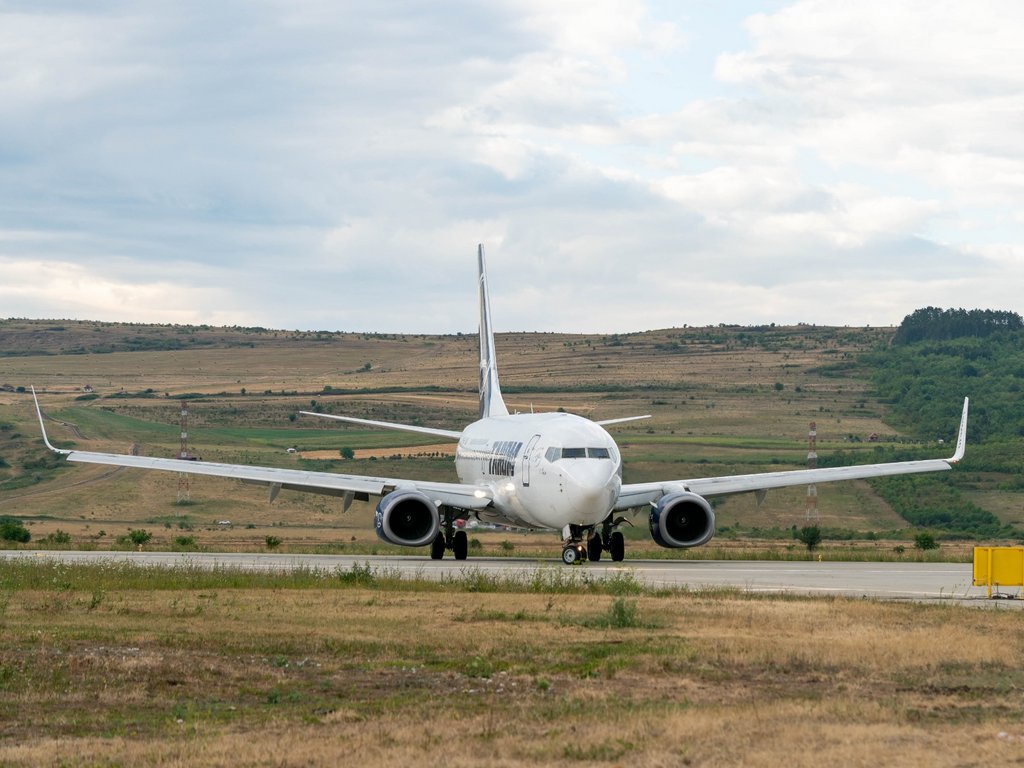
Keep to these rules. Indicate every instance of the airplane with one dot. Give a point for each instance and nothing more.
(555, 471)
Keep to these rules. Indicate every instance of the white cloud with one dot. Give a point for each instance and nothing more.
(298, 165)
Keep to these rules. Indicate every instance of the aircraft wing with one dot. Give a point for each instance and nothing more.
(350, 487)
(638, 494)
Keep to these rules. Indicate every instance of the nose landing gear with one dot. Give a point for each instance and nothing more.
(574, 553)
(607, 538)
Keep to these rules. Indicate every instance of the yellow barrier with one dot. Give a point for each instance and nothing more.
(998, 567)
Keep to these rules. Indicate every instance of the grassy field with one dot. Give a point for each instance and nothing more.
(723, 400)
(129, 666)
(118, 665)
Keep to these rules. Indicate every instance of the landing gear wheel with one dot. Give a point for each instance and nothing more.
(617, 547)
(437, 547)
(460, 545)
(570, 554)
(594, 548)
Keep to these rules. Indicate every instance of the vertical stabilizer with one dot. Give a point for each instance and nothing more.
(491, 403)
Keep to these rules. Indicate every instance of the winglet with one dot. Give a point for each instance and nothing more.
(961, 438)
(491, 403)
(46, 440)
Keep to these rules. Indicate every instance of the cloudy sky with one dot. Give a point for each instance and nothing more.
(627, 164)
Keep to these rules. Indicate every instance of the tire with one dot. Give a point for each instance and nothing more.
(460, 545)
(617, 547)
(437, 547)
(569, 555)
(594, 548)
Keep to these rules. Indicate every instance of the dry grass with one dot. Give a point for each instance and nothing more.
(711, 391)
(326, 675)
(445, 449)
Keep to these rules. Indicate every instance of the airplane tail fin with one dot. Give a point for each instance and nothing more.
(491, 403)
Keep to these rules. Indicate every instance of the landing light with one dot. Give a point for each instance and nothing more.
(479, 494)
(510, 487)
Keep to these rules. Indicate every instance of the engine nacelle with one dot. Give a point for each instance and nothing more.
(682, 519)
(407, 518)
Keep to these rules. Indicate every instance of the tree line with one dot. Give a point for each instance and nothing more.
(934, 324)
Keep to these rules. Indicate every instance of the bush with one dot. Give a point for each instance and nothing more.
(809, 536)
(12, 530)
(139, 536)
(57, 537)
(925, 541)
(273, 542)
(185, 542)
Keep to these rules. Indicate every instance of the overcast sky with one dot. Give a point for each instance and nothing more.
(628, 165)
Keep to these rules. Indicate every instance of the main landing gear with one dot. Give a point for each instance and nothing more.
(605, 538)
(449, 538)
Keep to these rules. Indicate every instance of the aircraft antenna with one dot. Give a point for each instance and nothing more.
(184, 478)
(812, 463)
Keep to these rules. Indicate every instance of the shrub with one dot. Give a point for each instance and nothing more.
(12, 530)
(809, 536)
(925, 541)
(57, 537)
(273, 542)
(139, 536)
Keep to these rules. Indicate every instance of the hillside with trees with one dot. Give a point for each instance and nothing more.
(936, 359)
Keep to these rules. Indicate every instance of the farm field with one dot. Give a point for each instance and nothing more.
(723, 400)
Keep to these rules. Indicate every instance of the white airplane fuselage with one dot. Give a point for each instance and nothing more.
(546, 470)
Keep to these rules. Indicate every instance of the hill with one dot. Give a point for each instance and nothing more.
(724, 399)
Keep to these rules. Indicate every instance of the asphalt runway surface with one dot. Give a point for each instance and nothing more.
(925, 582)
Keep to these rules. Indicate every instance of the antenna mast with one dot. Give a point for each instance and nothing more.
(812, 463)
(184, 478)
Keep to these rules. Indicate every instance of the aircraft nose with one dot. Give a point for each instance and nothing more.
(593, 488)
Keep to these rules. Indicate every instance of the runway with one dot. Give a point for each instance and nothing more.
(924, 582)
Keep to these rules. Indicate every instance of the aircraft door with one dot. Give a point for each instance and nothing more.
(527, 457)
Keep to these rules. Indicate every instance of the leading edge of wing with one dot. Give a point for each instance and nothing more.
(453, 494)
(637, 494)
(448, 433)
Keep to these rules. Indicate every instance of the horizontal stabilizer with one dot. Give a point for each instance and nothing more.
(447, 433)
(606, 422)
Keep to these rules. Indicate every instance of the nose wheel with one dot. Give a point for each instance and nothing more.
(574, 553)
(598, 541)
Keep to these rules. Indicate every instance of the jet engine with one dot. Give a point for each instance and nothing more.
(682, 519)
(407, 518)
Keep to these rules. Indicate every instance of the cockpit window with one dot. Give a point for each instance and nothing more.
(554, 454)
